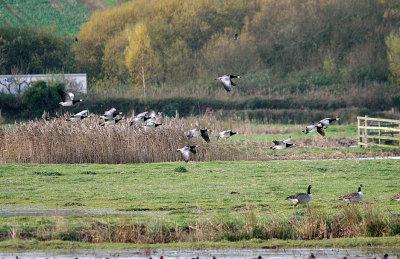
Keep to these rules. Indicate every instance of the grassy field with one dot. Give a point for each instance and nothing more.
(65, 16)
(226, 194)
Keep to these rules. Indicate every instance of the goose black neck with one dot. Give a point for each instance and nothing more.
(359, 188)
(309, 189)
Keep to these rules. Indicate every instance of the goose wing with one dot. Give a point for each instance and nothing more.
(185, 153)
(71, 96)
(321, 131)
(296, 196)
(62, 94)
(226, 81)
(81, 113)
(109, 114)
(141, 115)
(192, 149)
(204, 135)
(349, 196)
(325, 122)
(136, 120)
(287, 140)
(309, 129)
(194, 133)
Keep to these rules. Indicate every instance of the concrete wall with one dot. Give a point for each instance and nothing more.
(17, 84)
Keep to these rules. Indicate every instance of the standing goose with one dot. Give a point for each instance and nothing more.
(282, 144)
(110, 114)
(185, 151)
(199, 132)
(396, 197)
(112, 121)
(67, 98)
(353, 196)
(226, 134)
(79, 116)
(301, 198)
(235, 36)
(226, 80)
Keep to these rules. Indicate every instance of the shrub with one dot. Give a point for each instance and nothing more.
(41, 97)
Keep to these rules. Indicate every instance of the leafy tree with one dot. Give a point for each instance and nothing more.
(393, 43)
(33, 50)
(140, 58)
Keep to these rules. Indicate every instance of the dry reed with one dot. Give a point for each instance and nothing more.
(59, 141)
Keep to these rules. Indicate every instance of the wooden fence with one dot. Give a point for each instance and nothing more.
(380, 132)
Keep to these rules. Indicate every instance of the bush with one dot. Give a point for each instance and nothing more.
(41, 97)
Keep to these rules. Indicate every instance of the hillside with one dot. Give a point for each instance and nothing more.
(65, 16)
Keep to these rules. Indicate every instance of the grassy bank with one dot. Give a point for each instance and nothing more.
(213, 202)
(251, 244)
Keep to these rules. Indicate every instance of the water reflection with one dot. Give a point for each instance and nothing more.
(370, 252)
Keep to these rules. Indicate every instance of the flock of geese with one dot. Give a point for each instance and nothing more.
(303, 198)
(112, 117)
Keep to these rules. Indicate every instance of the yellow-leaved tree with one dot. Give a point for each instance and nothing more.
(139, 56)
(393, 54)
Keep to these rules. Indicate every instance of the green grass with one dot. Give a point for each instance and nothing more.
(251, 244)
(64, 16)
(157, 193)
(205, 188)
(338, 131)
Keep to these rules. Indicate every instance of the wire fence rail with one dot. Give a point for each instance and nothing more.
(379, 132)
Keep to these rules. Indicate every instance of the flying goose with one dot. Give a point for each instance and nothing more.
(151, 124)
(79, 116)
(301, 198)
(226, 134)
(199, 132)
(185, 151)
(226, 80)
(312, 128)
(396, 197)
(324, 123)
(141, 117)
(110, 114)
(354, 196)
(67, 98)
(282, 144)
(112, 121)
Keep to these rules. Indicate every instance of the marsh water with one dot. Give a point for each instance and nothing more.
(370, 252)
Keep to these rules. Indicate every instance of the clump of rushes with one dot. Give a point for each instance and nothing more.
(180, 169)
(48, 173)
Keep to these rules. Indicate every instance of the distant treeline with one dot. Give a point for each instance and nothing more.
(177, 42)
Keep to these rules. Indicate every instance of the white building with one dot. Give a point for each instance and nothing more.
(17, 84)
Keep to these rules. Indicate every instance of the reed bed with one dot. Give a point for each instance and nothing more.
(59, 141)
(352, 221)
